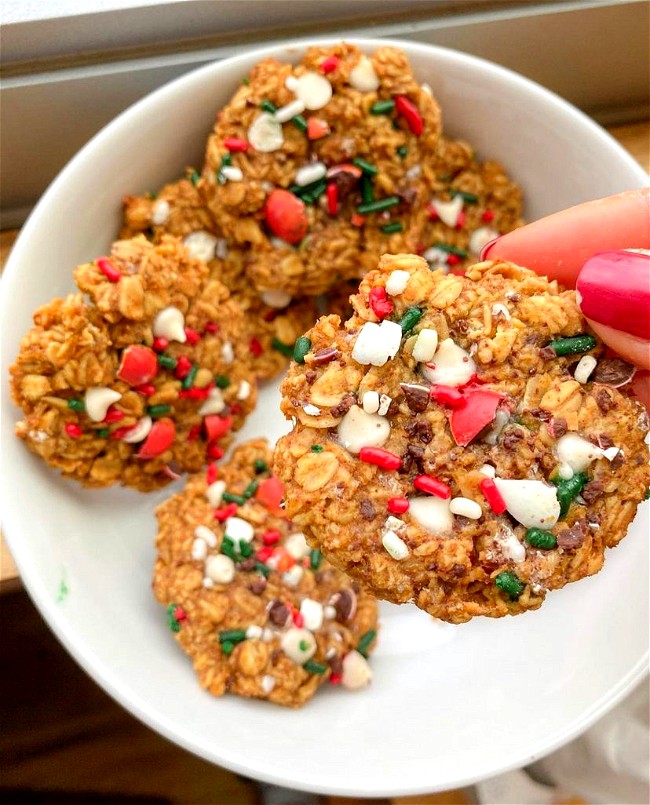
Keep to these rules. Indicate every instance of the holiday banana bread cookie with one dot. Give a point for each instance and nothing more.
(315, 164)
(461, 442)
(272, 320)
(139, 377)
(259, 612)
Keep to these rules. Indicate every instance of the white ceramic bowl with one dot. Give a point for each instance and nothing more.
(448, 705)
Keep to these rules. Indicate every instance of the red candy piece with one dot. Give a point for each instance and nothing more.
(271, 537)
(225, 512)
(255, 347)
(433, 213)
(380, 457)
(73, 430)
(235, 144)
(493, 496)
(191, 336)
(120, 433)
(447, 395)
(329, 64)
(332, 194)
(180, 615)
(298, 619)
(357, 219)
(183, 366)
(286, 216)
(194, 433)
(432, 486)
(108, 270)
(317, 128)
(160, 344)
(216, 426)
(461, 220)
(488, 216)
(214, 451)
(336, 679)
(264, 554)
(409, 111)
(211, 474)
(147, 389)
(398, 505)
(479, 410)
(270, 493)
(285, 560)
(212, 327)
(381, 305)
(138, 365)
(160, 438)
(453, 259)
(113, 415)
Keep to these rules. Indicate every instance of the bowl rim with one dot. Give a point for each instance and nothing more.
(55, 618)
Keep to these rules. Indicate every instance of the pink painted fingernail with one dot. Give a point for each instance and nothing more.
(486, 249)
(614, 290)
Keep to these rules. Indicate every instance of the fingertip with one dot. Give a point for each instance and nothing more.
(629, 347)
(641, 387)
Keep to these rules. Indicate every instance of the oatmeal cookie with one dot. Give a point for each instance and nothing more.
(272, 320)
(145, 380)
(462, 442)
(312, 164)
(259, 612)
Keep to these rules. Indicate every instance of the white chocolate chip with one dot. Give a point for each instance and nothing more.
(426, 88)
(170, 324)
(221, 248)
(395, 545)
(310, 173)
(370, 402)
(201, 245)
(227, 352)
(265, 133)
(254, 632)
(499, 309)
(275, 298)
(450, 366)
(312, 613)
(244, 390)
(448, 211)
(208, 583)
(437, 258)
(397, 282)
(356, 671)
(576, 452)
(414, 172)
(214, 492)
(433, 514)
(289, 110)
(501, 419)
(585, 367)
(510, 546)
(565, 472)
(358, 429)
(611, 452)
(139, 432)
(299, 645)
(199, 550)
(293, 575)
(220, 568)
(377, 344)
(363, 76)
(232, 173)
(314, 90)
(330, 612)
(296, 545)
(394, 524)
(425, 345)
(160, 212)
(534, 504)
(291, 83)
(311, 410)
(207, 535)
(98, 400)
(384, 404)
(213, 404)
(488, 469)
(239, 530)
(481, 237)
(268, 683)
(465, 507)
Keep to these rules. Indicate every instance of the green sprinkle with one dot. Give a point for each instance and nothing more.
(365, 640)
(410, 318)
(468, 198)
(568, 489)
(647, 495)
(194, 178)
(246, 80)
(393, 226)
(510, 584)
(301, 348)
(573, 346)
(268, 106)
(314, 667)
(299, 122)
(317, 448)
(366, 167)
(262, 568)
(222, 381)
(226, 160)
(382, 107)
(260, 465)
(315, 558)
(246, 549)
(227, 647)
(403, 151)
(190, 377)
(167, 362)
(303, 645)
(229, 497)
(367, 190)
(540, 539)
(76, 405)
(103, 433)
(232, 636)
(312, 192)
(228, 548)
(378, 206)
(445, 247)
(158, 410)
(251, 489)
(152, 195)
(173, 624)
(284, 349)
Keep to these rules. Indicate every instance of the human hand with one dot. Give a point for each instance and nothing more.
(587, 247)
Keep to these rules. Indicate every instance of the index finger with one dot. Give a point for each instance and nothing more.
(558, 245)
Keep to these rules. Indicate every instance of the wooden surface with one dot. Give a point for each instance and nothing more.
(64, 740)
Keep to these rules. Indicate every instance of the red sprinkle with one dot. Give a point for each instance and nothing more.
(119, 433)
(409, 111)
(108, 270)
(194, 433)
(235, 144)
(212, 327)
(488, 216)
(398, 505)
(332, 193)
(493, 496)
(214, 451)
(147, 389)
(432, 486)
(381, 305)
(73, 430)
(180, 614)
(113, 415)
(183, 366)
(461, 220)
(270, 537)
(255, 347)
(225, 512)
(212, 473)
(453, 259)
(330, 64)
(433, 213)
(160, 344)
(264, 553)
(298, 619)
(235, 408)
(336, 679)
(191, 336)
(216, 426)
(194, 393)
(271, 314)
(357, 219)
(447, 395)
(317, 128)
(382, 458)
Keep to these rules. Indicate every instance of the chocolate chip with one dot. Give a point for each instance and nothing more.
(417, 397)
(547, 353)
(457, 571)
(591, 491)
(601, 440)
(419, 429)
(535, 340)
(462, 325)
(258, 586)
(408, 195)
(511, 438)
(573, 537)
(604, 401)
(325, 355)
(367, 509)
(343, 406)
(247, 564)
(345, 604)
(278, 613)
(557, 427)
(393, 408)
(345, 182)
(618, 461)
(613, 372)
(310, 376)
(336, 664)
(540, 413)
